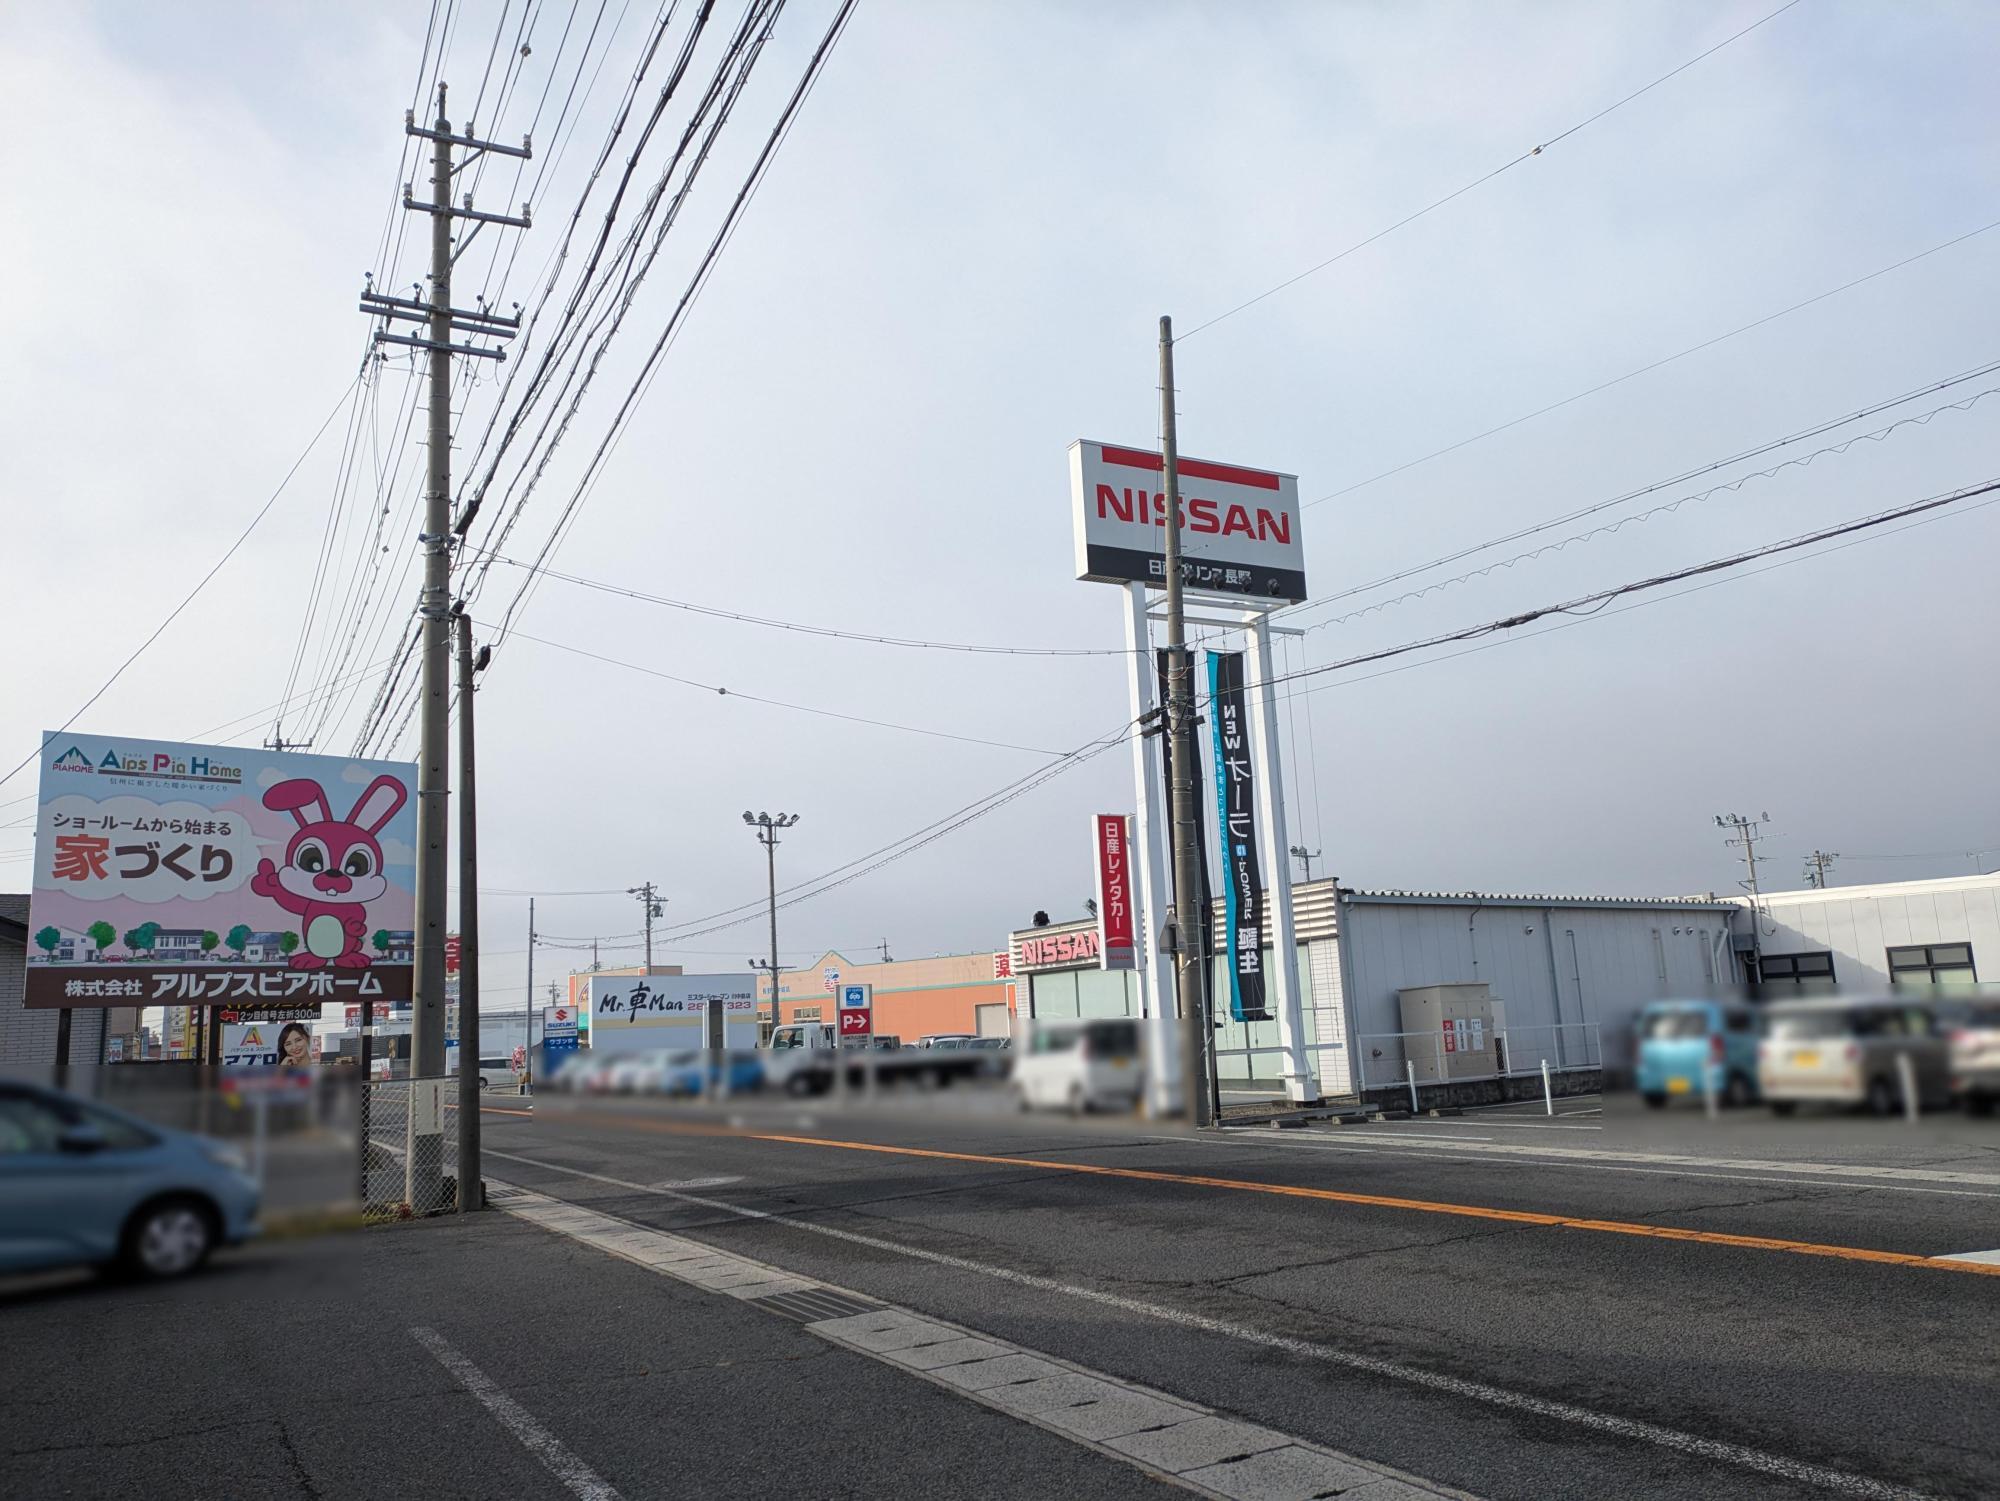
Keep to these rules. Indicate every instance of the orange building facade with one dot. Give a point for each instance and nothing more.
(914, 998)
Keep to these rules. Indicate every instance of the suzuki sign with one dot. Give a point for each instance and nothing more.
(1240, 531)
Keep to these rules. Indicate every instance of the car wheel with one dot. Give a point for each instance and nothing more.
(1657, 1101)
(799, 1084)
(1738, 1093)
(169, 1238)
(1881, 1097)
(1079, 1103)
(1784, 1107)
(1021, 1101)
(1979, 1104)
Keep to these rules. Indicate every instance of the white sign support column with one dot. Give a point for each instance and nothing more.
(1149, 825)
(1300, 1087)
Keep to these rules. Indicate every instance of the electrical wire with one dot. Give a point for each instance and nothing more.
(776, 703)
(189, 597)
(1619, 380)
(1665, 508)
(1482, 180)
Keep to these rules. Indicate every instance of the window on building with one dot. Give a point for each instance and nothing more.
(1798, 969)
(1932, 964)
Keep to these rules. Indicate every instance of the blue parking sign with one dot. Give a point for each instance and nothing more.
(853, 997)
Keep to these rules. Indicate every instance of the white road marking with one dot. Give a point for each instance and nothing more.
(583, 1482)
(1119, 1419)
(722, 1182)
(1690, 1444)
(1991, 1258)
(1404, 1141)
(1352, 1146)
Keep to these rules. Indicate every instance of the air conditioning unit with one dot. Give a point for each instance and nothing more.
(1449, 1032)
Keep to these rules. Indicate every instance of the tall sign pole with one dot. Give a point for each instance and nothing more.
(1190, 921)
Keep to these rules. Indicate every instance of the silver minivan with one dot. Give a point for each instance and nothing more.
(1837, 1051)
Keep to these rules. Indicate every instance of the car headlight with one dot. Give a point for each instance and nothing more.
(224, 1155)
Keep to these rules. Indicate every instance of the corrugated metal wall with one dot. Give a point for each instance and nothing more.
(1861, 924)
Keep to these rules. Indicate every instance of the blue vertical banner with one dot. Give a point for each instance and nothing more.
(1236, 825)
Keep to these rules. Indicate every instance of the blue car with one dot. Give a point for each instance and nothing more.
(691, 1073)
(84, 1185)
(1687, 1048)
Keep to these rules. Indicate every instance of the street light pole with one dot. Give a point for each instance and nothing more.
(767, 827)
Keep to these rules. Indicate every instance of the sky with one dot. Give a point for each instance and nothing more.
(954, 268)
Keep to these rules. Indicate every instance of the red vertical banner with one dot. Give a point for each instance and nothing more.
(452, 951)
(1117, 926)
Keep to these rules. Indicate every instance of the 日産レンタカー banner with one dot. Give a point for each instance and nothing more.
(1242, 886)
(198, 875)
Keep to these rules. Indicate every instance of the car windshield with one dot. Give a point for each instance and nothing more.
(1810, 1026)
(1114, 1039)
(1665, 1026)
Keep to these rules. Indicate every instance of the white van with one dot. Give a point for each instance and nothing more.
(1079, 1066)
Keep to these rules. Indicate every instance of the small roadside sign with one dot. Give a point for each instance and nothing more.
(857, 997)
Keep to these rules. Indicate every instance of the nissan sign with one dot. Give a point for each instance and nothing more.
(1240, 530)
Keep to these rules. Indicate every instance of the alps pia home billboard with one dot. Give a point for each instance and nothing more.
(206, 875)
(1240, 531)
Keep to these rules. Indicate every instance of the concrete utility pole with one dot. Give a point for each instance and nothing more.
(1305, 857)
(648, 896)
(1190, 921)
(528, 1018)
(767, 827)
(1746, 840)
(1818, 863)
(469, 1171)
(440, 321)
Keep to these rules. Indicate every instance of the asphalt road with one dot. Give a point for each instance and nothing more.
(1788, 1335)
(1508, 1304)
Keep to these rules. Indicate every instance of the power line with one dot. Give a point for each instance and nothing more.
(1876, 436)
(745, 193)
(1586, 604)
(725, 692)
(1489, 176)
(802, 628)
(1710, 343)
(200, 584)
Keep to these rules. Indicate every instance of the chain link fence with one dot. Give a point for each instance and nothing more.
(408, 1159)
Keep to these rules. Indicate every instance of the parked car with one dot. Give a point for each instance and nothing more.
(1080, 1066)
(1692, 1047)
(1838, 1051)
(945, 1040)
(692, 1072)
(82, 1184)
(581, 1072)
(1972, 1029)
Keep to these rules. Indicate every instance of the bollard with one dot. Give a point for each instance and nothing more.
(1708, 1090)
(1410, 1073)
(1906, 1072)
(1548, 1095)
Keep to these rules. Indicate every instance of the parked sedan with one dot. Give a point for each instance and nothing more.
(82, 1184)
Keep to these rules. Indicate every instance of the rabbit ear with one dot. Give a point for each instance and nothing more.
(385, 795)
(303, 799)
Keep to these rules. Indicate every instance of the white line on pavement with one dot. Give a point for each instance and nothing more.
(1692, 1445)
(1354, 1148)
(583, 1482)
(1990, 1257)
(1213, 1455)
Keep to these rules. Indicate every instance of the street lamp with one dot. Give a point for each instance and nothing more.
(767, 826)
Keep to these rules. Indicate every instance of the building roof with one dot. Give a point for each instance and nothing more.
(1873, 890)
(1529, 899)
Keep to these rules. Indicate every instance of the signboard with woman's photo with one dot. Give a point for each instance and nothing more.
(267, 1045)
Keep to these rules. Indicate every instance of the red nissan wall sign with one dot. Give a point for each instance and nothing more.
(1117, 932)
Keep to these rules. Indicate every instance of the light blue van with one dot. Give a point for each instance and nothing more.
(1687, 1048)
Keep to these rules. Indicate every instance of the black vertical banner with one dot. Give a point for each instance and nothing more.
(1200, 823)
(1242, 885)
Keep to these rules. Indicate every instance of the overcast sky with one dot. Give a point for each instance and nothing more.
(954, 268)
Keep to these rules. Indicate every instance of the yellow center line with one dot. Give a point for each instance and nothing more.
(1373, 1201)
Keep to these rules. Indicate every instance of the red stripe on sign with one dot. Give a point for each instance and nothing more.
(1228, 474)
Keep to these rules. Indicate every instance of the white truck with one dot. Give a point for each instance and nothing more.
(807, 1057)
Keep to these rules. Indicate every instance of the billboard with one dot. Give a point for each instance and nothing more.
(193, 875)
(1236, 827)
(1117, 932)
(1240, 530)
(266, 1045)
(670, 1011)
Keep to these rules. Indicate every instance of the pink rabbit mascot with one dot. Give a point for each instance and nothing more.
(333, 868)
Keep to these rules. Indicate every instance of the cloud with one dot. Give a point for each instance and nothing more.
(397, 852)
(270, 776)
(358, 772)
